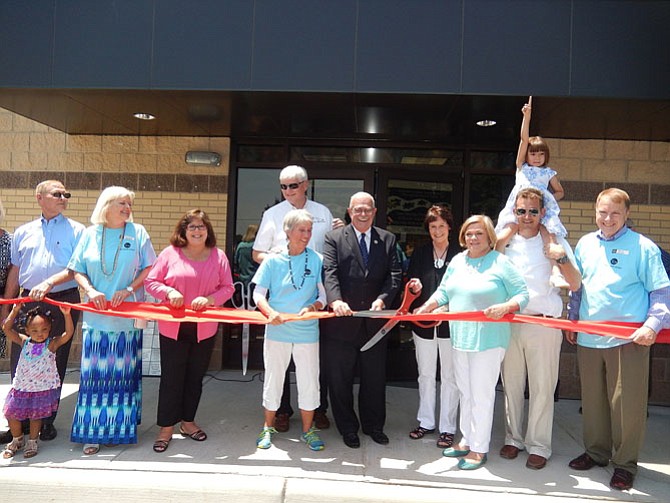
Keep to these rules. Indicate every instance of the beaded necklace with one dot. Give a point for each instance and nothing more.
(116, 255)
(304, 274)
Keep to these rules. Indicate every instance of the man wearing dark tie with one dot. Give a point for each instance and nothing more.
(361, 272)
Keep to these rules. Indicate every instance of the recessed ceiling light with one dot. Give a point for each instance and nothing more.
(486, 123)
(144, 116)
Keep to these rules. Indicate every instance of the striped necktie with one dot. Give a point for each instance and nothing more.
(364, 250)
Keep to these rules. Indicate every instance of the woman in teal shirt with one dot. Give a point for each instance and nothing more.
(478, 279)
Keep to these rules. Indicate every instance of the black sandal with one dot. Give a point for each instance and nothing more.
(419, 432)
(161, 445)
(445, 440)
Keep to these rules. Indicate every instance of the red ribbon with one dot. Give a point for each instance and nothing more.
(164, 312)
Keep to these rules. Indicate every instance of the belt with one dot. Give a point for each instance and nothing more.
(54, 295)
(541, 315)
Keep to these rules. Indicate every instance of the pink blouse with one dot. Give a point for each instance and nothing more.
(192, 279)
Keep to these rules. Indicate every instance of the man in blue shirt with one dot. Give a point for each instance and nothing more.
(623, 279)
(41, 250)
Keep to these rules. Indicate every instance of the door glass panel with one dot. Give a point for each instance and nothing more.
(407, 203)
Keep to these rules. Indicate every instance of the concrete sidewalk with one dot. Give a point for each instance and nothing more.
(228, 467)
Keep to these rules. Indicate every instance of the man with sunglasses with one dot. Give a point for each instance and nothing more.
(41, 250)
(271, 238)
(534, 351)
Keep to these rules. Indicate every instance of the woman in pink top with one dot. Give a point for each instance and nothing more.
(194, 273)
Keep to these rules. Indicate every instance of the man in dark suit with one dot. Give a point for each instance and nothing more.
(358, 277)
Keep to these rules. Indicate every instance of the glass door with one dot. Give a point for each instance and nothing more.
(257, 190)
(403, 199)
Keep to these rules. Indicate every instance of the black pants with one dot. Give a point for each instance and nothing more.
(57, 328)
(285, 404)
(344, 359)
(184, 363)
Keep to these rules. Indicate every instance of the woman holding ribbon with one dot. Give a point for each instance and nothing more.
(191, 272)
(293, 281)
(479, 278)
(428, 264)
(110, 264)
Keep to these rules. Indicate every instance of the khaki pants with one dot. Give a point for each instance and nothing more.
(614, 402)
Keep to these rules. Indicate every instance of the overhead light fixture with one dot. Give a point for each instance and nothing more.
(203, 158)
(144, 116)
(486, 123)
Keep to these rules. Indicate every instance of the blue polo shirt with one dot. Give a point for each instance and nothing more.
(42, 248)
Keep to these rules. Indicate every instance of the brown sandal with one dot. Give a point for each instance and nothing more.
(198, 435)
(445, 440)
(419, 432)
(161, 445)
(30, 451)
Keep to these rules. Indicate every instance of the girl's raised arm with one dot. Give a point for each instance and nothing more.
(525, 128)
(67, 334)
(8, 327)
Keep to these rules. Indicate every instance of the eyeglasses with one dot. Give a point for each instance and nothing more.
(291, 186)
(359, 210)
(61, 195)
(196, 227)
(522, 211)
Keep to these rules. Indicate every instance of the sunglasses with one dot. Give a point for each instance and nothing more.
(522, 211)
(61, 195)
(291, 186)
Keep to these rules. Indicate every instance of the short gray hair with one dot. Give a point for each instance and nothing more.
(296, 217)
(293, 171)
(106, 198)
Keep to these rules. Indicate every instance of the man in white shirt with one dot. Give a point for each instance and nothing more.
(534, 350)
(271, 238)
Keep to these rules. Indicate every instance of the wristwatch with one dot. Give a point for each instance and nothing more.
(130, 289)
(562, 260)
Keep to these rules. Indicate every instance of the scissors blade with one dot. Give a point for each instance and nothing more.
(380, 334)
(245, 347)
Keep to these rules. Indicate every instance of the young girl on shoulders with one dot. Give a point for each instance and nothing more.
(36, 387)
(532, 171)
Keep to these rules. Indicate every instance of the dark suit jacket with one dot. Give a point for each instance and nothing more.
(345, 277)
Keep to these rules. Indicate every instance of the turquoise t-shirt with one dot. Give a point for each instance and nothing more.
(135, 253)
(290, 293)
(474, 285)
(617, 277)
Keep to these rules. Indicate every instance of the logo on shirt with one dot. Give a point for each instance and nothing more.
(619, 251)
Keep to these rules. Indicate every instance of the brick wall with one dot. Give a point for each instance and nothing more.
(642, 169)
(153, 167)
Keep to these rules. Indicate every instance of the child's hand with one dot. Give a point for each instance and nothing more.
(65, 309)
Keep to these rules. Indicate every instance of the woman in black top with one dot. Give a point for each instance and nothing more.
(428, 264)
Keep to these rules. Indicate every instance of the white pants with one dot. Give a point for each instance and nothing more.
(534, 351)
(427, 353)
(276, 358)
(476, 377)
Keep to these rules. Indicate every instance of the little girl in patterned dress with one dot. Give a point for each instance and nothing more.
(35, 390)
(532, 171)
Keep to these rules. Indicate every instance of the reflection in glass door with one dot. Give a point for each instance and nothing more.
(257, 190)
(405, 201)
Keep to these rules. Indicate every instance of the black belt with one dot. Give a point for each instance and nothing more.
(541, 315)
(54, 295)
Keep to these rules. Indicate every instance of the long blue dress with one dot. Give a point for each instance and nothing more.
(109, 404)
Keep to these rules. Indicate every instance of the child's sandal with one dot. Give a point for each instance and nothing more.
(30, 450)
(13, 447)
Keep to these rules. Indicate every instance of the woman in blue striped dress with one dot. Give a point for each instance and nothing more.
(110, 263)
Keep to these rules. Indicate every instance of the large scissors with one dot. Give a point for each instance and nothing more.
(407, 300)
(246, 302)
